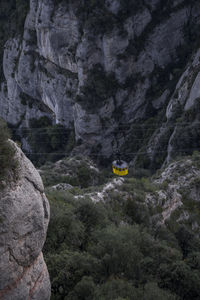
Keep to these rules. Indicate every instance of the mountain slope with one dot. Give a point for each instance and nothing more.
(131, 238)
(105, 70)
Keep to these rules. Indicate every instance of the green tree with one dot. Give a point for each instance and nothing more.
(7, 151)
(153, 292)
(117, 289)
(65, 231)
(120, 251)
(179, 278)
(84, 289)
(67, 271)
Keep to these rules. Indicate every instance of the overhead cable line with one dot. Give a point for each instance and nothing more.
(130, 153)
(136, 139)
(119, 125)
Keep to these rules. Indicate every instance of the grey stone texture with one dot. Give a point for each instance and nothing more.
(51, 65)
(24, 217)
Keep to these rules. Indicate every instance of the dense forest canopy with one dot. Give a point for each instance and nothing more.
(117, 250)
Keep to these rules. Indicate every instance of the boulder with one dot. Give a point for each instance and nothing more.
(24, 217)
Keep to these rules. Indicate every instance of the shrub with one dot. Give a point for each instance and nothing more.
(48, 141)
(84, 289)
(89, 256)
(99, 87)
(117, 289)
(7, 163)
(84, 176)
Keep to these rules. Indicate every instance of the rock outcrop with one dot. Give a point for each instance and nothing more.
(24, 217)
(179, 134)
(74, 171)
(178, 193)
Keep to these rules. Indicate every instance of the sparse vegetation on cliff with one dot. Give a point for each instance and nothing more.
(49, 142)
(99, 87)
(12, 17)
(7, 162)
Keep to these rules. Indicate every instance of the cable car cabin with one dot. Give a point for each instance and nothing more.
(120, 167)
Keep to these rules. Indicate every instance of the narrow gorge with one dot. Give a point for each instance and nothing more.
(115, 74)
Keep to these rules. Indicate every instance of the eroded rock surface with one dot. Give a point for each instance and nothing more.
(24, 217)
(91, 77)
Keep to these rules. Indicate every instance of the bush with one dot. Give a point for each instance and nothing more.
(117, 289)
(67, 272)
(84, 289)
(7, 163)
(99, 87)
(48, 141)
(96, 251)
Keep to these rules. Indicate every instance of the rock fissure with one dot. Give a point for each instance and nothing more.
(12, 257)
(35, 185)
(37, 283)
(14, 284)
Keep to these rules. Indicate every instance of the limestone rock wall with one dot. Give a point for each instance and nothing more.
(179, 133)
(178, 189)
(24, 217)
(96, 67)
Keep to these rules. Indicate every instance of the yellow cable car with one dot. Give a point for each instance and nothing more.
(120, 167)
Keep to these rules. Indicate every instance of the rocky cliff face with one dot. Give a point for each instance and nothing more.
(24, 217)
(104, 68)
(179, 134)
(178, 194)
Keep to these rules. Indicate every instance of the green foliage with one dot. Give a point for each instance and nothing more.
(75, 171)
(134, 208)
(175, 277)
(75, 221)
(68, 271)
(84, 176)
(196, 158)
(117, 289)
(52, 178)
(90, 214)
(187, 241)
(27, 100)
(137, 140)
(7, 163)
(119, 250)
(193, 260)
(100, 86)
(48, 142)
(136, 211)
(153, 292)
(186, 138)
(66, 231)
(92, 255)
(84, 289)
